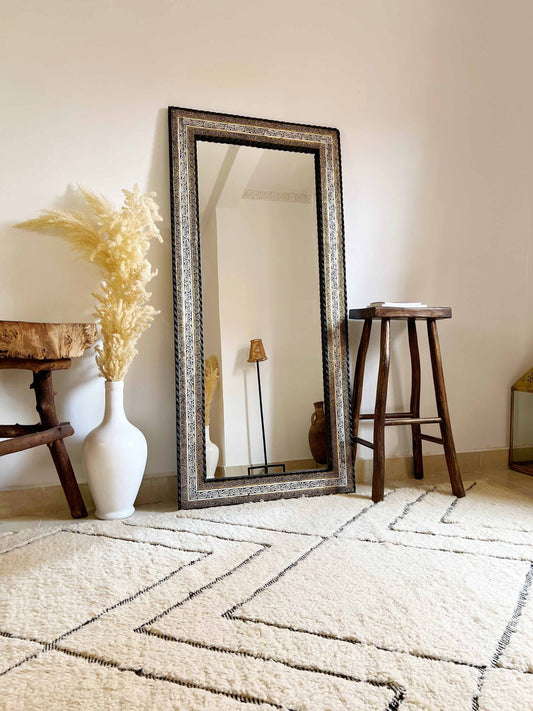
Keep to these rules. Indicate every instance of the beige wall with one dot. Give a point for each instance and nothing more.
(433, 100)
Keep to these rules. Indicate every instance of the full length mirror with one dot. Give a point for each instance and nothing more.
(261, 311)
(263, 405)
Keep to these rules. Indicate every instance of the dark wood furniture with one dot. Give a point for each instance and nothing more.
(384, 419)
(43, 348)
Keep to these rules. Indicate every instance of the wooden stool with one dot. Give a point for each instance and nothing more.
(384, 419)
(42, 348)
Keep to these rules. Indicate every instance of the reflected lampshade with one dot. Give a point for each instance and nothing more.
(257, 351)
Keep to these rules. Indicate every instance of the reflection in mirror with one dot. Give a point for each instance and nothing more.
(260, 282)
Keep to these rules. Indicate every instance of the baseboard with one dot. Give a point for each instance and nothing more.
(50, 500)
(400, 468)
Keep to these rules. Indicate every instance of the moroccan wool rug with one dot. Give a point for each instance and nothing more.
(420, 602)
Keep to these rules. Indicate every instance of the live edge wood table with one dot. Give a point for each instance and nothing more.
(384, 419)
(43, 348)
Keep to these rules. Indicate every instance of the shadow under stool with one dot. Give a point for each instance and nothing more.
(412, 418)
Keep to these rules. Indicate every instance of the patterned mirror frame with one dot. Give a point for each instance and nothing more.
(186, 127)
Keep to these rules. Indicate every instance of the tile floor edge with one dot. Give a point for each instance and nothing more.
(49, 500)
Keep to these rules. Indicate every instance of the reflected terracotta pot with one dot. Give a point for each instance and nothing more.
(317, 434)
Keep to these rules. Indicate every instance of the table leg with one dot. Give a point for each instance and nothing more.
(44, 395)
(442, 408)
(378, 476)
(414, 407)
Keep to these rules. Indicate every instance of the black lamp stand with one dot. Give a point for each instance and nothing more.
(266, 466)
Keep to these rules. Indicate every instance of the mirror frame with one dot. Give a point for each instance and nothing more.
(186, 127)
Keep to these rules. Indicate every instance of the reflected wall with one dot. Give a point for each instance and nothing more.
(260, 279)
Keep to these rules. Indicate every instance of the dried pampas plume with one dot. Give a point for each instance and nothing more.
(211, 378)
(117, 241)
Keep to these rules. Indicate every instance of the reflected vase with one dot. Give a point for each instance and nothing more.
(115, 457)
(317, 434)
(211, 455)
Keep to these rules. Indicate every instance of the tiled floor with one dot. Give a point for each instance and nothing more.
(503, 477)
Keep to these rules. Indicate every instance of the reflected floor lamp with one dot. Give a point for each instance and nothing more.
(257, 354)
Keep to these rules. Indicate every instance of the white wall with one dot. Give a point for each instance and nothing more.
(433, 100)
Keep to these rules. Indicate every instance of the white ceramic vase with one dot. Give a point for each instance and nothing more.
(115, 457)
(211, 455)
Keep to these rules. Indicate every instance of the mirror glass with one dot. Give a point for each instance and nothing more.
(260, 282)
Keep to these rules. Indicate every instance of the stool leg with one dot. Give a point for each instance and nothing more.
(358, 382)
(415, 398)
(442, 408)
(378, 477)
(44, 395)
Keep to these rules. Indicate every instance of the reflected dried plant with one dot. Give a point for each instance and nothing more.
(211, 378)
(116, 241)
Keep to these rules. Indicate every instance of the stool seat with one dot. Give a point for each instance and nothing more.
(43, 348)
(45, 341)
(412, 418)
(394, 312)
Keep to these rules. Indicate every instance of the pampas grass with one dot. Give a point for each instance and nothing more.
(116, 241)
(211, 378)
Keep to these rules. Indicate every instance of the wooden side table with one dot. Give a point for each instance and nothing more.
(380, 416)
(43, 348)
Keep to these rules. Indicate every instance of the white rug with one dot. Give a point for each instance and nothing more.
(321, 604)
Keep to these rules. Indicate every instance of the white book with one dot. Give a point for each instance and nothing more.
(400, 304)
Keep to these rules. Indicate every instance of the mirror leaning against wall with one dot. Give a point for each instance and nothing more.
(260, 309)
